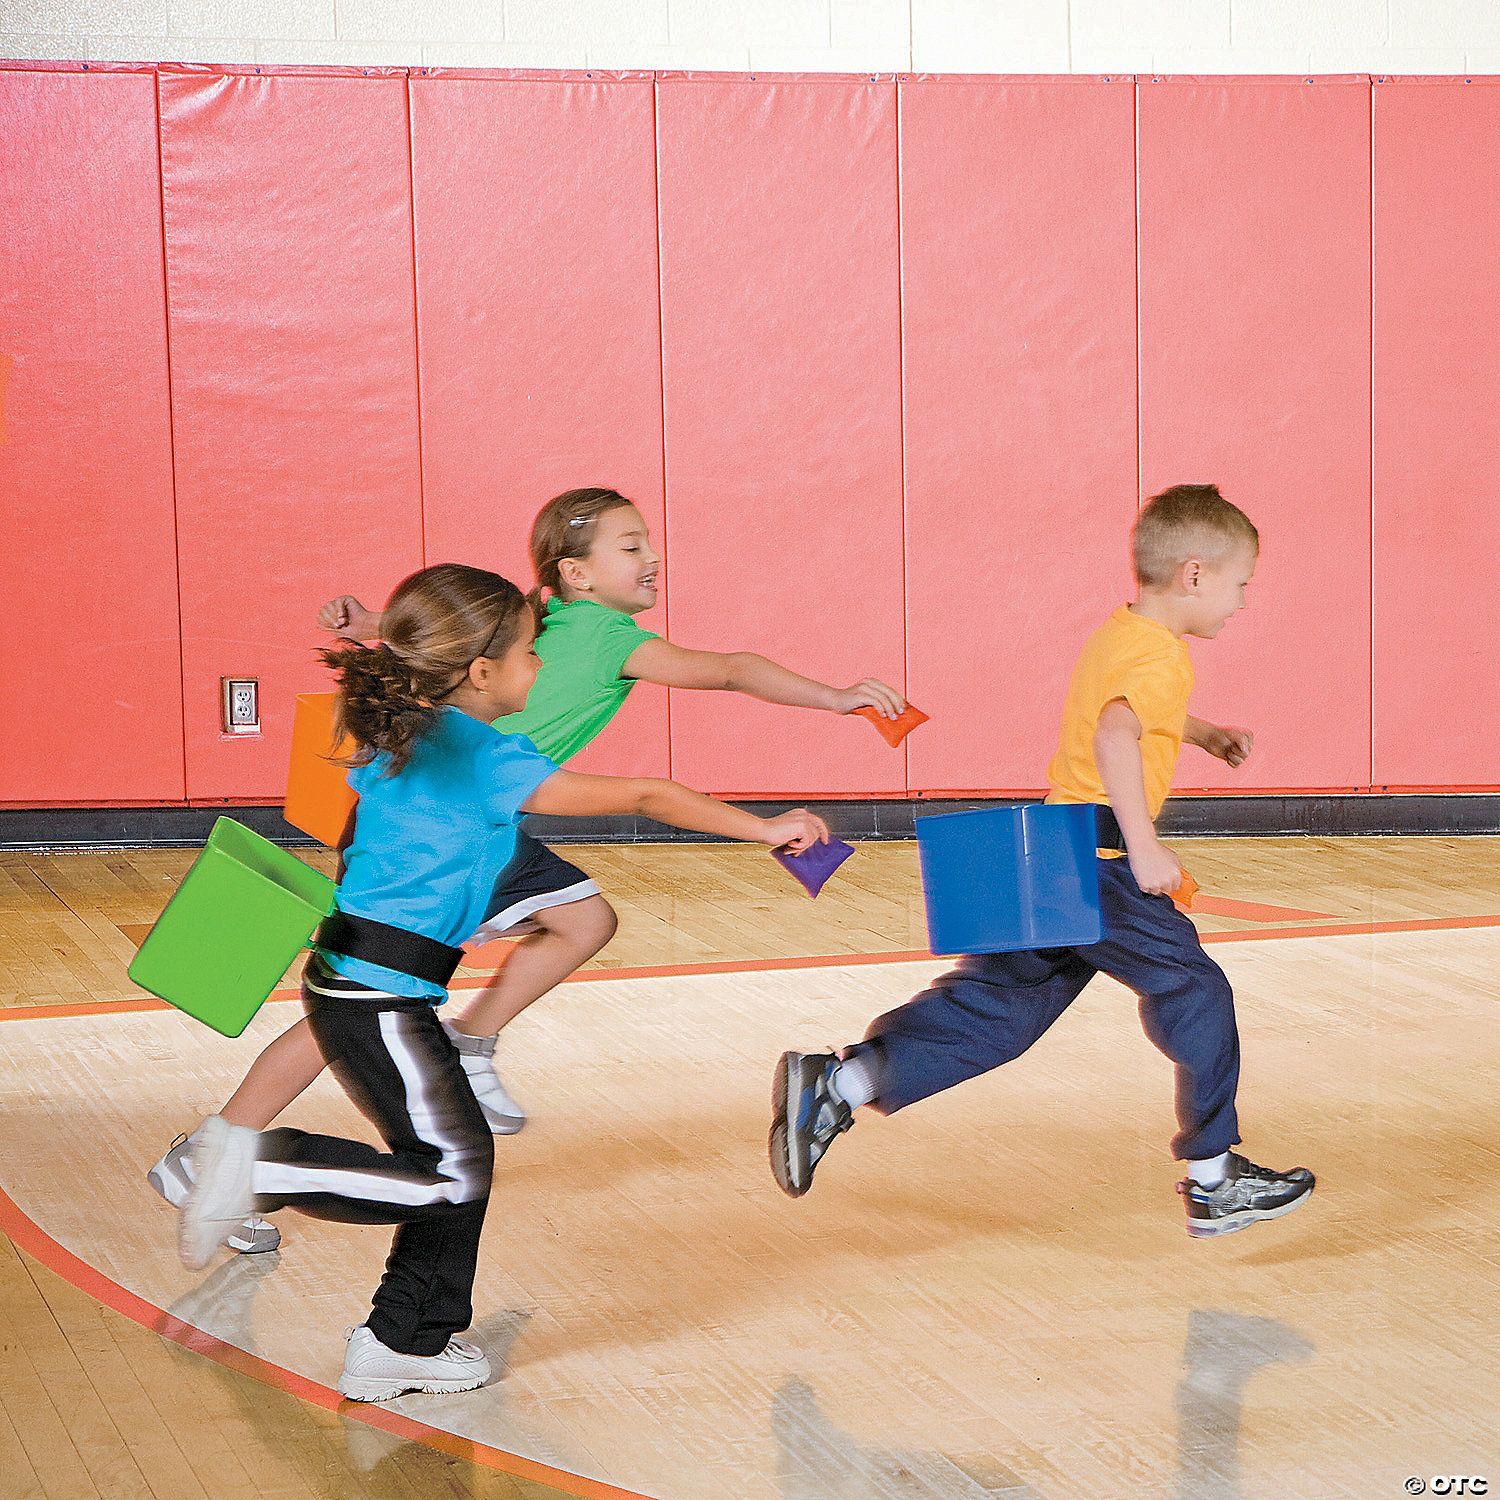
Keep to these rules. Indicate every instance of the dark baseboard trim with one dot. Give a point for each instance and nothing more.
(1219, 817)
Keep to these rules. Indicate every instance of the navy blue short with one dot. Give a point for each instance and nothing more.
(533, 881)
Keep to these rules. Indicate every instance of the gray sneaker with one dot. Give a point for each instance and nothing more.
(172, 1177)
(807, 1114)
(1247, 1195)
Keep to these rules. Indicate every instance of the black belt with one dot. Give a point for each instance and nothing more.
(391, 947)
(1108, 835)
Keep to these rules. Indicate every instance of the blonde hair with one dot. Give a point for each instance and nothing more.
(436, 623)
(564, 528)
(1188, 520)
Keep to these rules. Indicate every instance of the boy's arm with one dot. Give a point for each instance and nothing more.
(1117, 753)
(745, 672)
(1227, 742)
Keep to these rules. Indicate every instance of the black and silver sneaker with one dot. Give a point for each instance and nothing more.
(1247, 1194)
(807, 1114)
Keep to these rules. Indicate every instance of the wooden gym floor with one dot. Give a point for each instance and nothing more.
(989, 1295)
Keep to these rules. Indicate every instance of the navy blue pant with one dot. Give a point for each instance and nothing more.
(993, 1006)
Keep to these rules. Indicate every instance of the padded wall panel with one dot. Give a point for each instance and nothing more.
(1018, 235)
(90, 668)
(1437, 439)
(290, 287)
(781, 339)
(1255, 374)
(540, 330)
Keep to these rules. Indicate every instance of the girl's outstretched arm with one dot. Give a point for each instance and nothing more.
(745, 672)
(571, 795)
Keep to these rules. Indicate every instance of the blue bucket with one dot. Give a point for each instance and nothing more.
(1011, 876)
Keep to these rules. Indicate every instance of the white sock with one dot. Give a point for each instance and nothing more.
(470, 1045)
(1210, 1173)
(857, 1079)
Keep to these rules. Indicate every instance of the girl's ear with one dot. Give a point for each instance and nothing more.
(574, 574)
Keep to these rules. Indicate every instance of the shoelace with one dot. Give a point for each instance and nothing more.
(835, 1106)
(456, 1349)
(833, 1118)
(1250, 1169)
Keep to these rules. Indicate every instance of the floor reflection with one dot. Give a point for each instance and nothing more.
(284, 1437)
(816, 1460)
(1224, 1349)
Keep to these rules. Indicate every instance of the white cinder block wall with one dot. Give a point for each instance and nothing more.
(970, 36)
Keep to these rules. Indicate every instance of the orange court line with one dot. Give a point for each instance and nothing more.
(774, 965)
(37, 1243)
(1255, 911)
(1352, 929)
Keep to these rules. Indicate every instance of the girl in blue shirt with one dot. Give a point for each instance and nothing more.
(441, 792)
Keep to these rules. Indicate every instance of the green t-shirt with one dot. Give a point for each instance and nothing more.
(583, 646)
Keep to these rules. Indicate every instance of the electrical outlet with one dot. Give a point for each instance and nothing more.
(241, 705)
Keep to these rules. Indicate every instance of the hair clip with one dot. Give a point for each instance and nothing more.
(579, 520)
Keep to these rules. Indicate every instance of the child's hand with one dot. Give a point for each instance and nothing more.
(348, 615)
(796, 831)
(1230, 744)
(1155, 868)
(872, 693)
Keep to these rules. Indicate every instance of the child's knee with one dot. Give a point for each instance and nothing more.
(1217, 992)
(1215, 1020)
(589, 924)
(470, 1162)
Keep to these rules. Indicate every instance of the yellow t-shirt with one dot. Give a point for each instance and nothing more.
(1141, 661)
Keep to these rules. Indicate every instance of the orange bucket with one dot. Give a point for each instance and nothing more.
(319, 798)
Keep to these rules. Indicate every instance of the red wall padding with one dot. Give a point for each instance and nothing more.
(782, 374)
(90, 678)
(294, 389)
(540, 333)
(888, 366)
(1018, 234)
(1437, 432)
(1255, 373)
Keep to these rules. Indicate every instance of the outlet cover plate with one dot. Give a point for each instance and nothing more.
(241, 699)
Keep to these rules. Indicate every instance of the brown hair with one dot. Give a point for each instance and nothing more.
(564, 528)
(436, 623)
(1185, 521)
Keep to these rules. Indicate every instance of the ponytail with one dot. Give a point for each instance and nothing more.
(379, 705)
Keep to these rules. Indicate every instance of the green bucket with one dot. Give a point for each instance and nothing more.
(238, 921)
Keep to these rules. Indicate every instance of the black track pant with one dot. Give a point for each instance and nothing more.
(396, 1063)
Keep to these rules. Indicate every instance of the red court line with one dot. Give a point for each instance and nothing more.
(26, 1233)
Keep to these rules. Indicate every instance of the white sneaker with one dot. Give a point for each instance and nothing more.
(220, 1197)
(374, 1373)
(477, 1055)
(172, 1177)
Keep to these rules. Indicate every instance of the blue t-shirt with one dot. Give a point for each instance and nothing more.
(430, 842)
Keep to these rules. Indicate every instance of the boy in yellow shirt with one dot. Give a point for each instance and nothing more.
(1123, 725)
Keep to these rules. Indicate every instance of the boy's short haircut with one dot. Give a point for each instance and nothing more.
(1188, 520)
